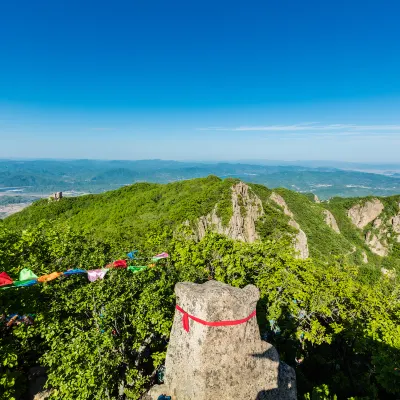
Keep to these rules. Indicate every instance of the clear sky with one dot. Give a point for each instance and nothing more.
(203, 80)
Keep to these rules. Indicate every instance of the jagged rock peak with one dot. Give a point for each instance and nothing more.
(331, 221)
(362, 214)
(246, 210)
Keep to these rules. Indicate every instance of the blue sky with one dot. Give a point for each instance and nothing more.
(200, 80)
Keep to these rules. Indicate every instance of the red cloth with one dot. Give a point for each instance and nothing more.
(5, 279)
(186, 316)
(120, 264)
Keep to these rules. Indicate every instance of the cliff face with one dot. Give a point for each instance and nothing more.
(362, 214)
(379, 228)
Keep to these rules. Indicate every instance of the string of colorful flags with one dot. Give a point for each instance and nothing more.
(28, 277)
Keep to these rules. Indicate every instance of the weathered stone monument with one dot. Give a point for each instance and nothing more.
(215, 351)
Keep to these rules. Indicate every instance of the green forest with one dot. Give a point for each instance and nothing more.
(107, 339)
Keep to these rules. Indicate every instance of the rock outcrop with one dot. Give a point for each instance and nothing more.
(221, 362)
(390, 273)
(362, 214)
(331, 221)
(300, 241)
(278, 199)
(376, 244)
(246, 210)
(395, 221)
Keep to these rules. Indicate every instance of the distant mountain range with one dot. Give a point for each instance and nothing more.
(29, 179)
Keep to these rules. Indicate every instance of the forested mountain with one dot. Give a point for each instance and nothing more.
(327, 273)
(127, 214)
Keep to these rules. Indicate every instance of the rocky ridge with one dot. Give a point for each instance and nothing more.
(377, 237)
(246, 210)
(331, 221)
(300, 241)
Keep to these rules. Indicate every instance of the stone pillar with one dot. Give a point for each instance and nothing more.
(221, 362)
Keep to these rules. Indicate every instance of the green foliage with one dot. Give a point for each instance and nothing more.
(324, 243)
(106, 340)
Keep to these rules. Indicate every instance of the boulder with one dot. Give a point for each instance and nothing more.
(221, 362)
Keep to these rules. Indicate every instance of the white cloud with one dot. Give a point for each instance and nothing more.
(308, 127)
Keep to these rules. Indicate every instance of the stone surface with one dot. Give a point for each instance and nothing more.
(396, 226)
(227, 362)
(43, 395)
(300, 242)
(365, 257)
(390, 273)
(278, 199)
(377, 245)
(331, 221)
(246, 210)
(37, 378)
(362, 214)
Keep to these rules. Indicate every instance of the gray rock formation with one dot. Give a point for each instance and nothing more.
(221, 362)
(57, 196)
(278, 199)
(331, 221)
(365, 257)
(362, 214)
(395, 221)
(246, 210)
(300, 242)
(376, 244)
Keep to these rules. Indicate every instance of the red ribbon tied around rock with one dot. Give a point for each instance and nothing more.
(186, 316)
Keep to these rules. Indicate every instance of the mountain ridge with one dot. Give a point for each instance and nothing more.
(242, 211)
